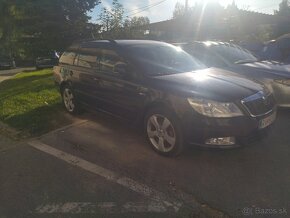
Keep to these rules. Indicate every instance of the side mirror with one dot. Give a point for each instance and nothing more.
(120, 68)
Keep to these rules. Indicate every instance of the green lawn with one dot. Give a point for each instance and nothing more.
(31, 103)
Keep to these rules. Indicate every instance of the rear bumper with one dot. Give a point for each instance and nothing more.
(245, 130)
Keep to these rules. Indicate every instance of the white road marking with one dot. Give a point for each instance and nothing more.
(133, 185)
(105, 207)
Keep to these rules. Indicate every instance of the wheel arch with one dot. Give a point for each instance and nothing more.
(157, 104)
(64, 84)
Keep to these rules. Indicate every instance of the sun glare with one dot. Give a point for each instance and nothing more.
(177, 48)
(222, 2)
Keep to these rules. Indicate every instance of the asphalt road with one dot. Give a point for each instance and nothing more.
(248, 181)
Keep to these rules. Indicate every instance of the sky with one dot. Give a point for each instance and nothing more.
(163, 9)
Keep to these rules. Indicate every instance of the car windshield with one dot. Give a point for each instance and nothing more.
(163, 59)
(234, 53)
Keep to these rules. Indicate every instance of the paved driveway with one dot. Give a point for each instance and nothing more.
(252, 180)
(100, 166)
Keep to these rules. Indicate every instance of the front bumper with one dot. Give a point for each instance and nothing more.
(245, 130)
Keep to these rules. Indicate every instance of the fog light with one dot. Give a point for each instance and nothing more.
(221, 141)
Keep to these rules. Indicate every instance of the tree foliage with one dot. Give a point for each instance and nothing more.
(39, 26)
(284, 8)
(135, 27)
(179, 10)
(114, 25)
(112, 19)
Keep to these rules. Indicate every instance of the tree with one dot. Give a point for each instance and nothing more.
(284, 8)
(7, 26)
(115, 26)
(41, 26)
(112, 20)
(135, 27)
(179, 10)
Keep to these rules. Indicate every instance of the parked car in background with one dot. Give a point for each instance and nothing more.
(228, 56)
(178, 99)
(254, 46)
(6, 62)
(47, 61)
(277, 50)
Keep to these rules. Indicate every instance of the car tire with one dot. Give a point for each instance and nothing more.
(69, 100)
(163, 131)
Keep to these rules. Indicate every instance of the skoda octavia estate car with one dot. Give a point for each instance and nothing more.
(179, 100)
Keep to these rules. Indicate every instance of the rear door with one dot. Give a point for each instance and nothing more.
(86, 71)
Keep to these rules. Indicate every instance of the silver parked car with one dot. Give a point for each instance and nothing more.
(275, 75)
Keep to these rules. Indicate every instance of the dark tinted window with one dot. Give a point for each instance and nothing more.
(108, 60)
(159, 59)
(88, 61)
(67, 58)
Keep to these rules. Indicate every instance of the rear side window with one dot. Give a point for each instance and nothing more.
(90, 61)
(108, 61)
(67, 58)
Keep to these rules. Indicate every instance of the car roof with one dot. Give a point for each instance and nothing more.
(113, 43)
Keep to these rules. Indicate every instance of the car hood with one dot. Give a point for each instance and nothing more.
(270, 67)
(212, 83)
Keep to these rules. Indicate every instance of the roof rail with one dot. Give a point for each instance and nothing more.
(78, 41)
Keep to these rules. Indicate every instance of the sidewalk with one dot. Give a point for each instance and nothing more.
(14, 71)
(6, 74)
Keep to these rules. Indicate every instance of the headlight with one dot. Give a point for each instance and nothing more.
(215, 109)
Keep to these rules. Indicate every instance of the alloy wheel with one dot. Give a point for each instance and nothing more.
(161, 133)
(68, 99)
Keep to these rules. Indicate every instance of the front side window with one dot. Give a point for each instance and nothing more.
(162, 59)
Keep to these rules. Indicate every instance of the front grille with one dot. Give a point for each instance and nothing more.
(259, 103)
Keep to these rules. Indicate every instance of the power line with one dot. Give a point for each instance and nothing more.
(146, 8)
(139, 8)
